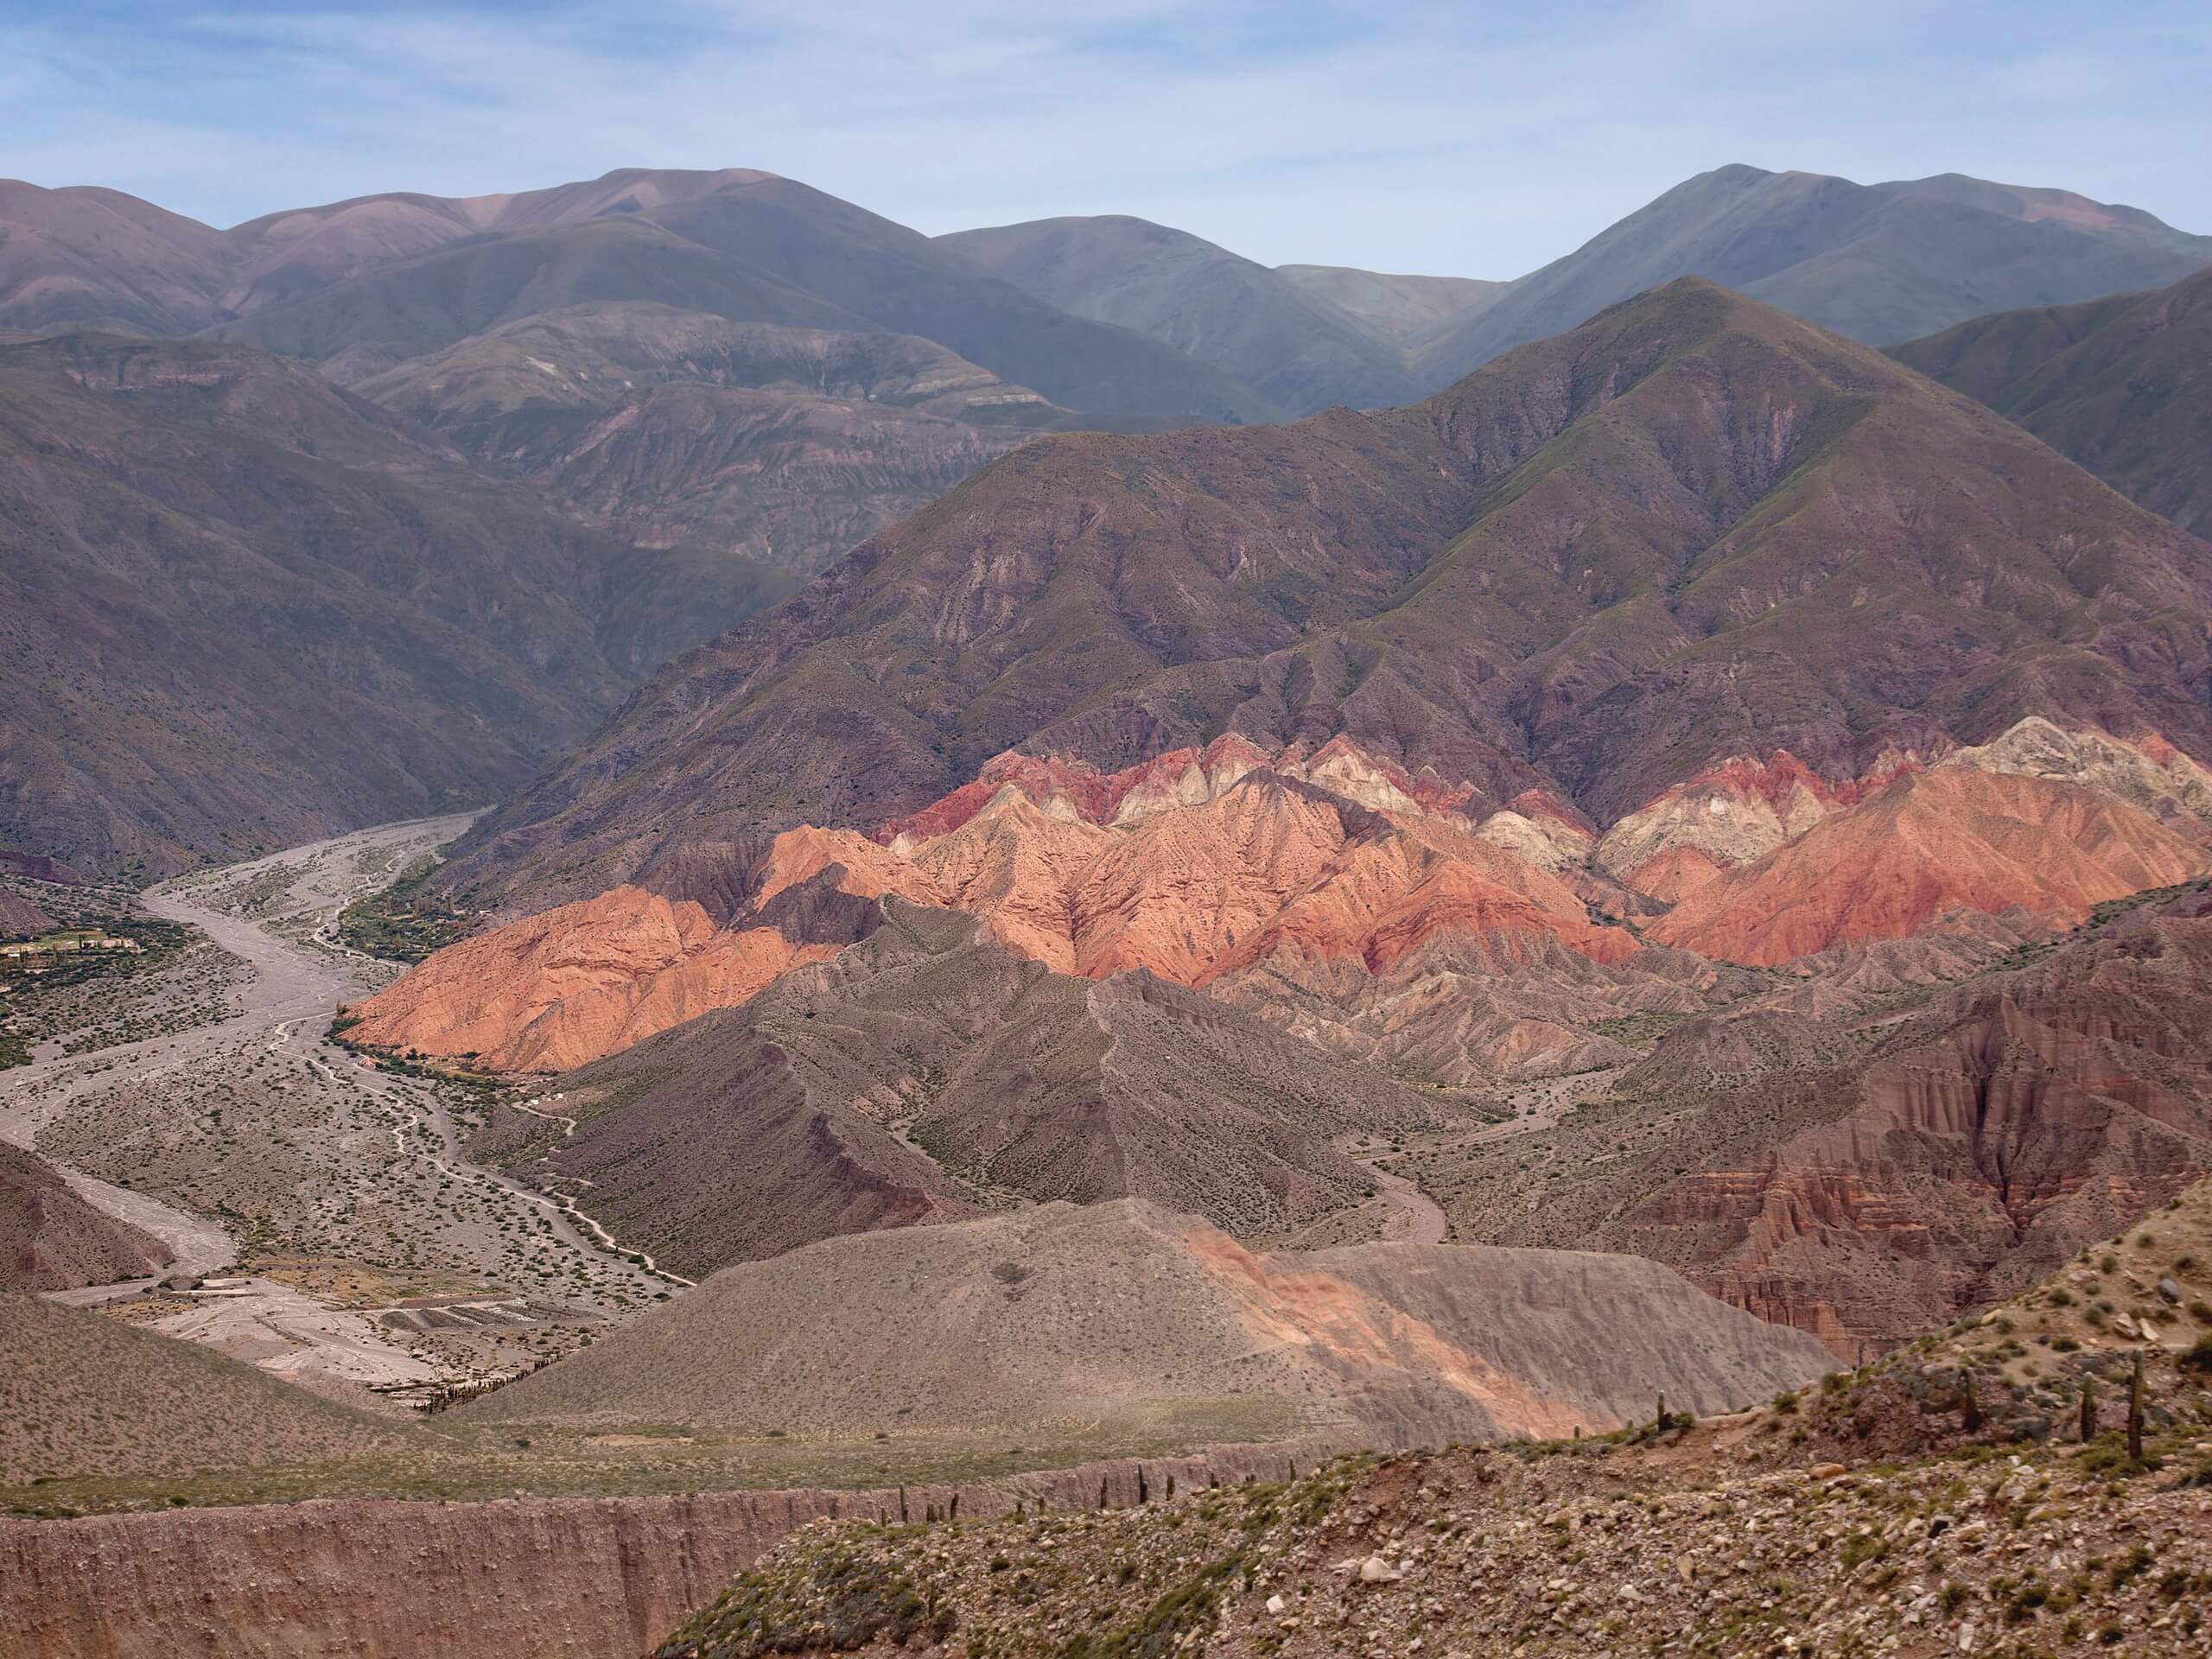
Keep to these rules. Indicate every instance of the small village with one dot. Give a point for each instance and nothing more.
(46, 952)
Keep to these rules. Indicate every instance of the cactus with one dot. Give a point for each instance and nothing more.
(1969, 1406)
(2088, 1409)
(1143, 1495)
(1102, 1492)
(1171, 1489)
(902, 1502)
(955, 1514)
(2135, 1411)
(1662, 1423)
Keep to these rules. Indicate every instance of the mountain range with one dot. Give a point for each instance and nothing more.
(686, 390)
(1882, 263)
(1696, 698)
(1691, 531)
(1879, 262)
(2119, 384)
(962, 745)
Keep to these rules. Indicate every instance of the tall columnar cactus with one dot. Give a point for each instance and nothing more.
(2135, 1411)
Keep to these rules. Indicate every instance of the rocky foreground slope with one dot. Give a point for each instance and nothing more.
(86, 1396)
(1865, 1513)
(1953, 1499)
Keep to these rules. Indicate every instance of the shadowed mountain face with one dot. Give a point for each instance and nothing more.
(1880, 263)
(366, 324)
(675, 427)
(52, 1239)
(245, 609)
(1284, 339)
(2122, 385)
(1693, 529)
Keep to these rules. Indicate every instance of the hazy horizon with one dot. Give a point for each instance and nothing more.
(1425, 141)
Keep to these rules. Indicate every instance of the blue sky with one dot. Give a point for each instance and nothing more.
(1472, 140)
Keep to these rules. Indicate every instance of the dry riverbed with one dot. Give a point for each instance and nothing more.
(350, 1243)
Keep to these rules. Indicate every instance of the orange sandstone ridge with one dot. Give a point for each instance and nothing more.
(1211, 866)
(1269, 871)
(566, 986)
(1947, 840)
(1194, 893)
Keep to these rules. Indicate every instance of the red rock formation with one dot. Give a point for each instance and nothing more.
(564, 987)
(1208, 866)
(1951, 839)
(1265, 870)
(1730, 814)
(1382, 899)
(1671, 876)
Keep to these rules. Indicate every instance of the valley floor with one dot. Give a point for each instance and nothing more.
(345, 1242)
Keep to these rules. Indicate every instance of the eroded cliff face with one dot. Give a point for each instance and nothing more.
(2003, 1132)
(585, 1577)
